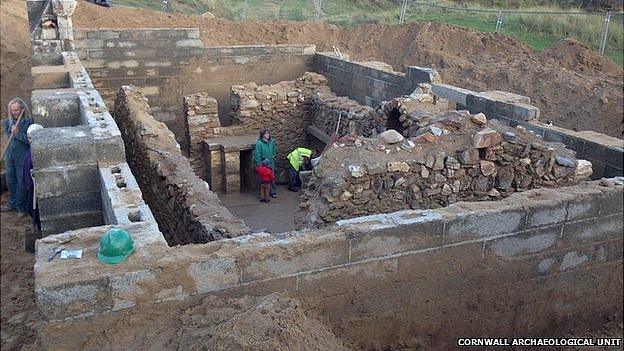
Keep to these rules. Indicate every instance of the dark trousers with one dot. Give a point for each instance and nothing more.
(15, 181)
(294, 182)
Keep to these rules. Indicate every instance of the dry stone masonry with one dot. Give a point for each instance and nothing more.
(331, 114)
(282, 108)
(201, 121)
(184, 207)
(468, 160)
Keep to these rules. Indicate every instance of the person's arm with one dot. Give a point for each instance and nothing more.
(257, 156)
(21, 133)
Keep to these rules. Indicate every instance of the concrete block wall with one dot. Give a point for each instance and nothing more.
(494, 104)
(185, 209)
(549, 259)
(143, 57)
(79, 137)
(169, 63)
(369, 85)
(122, 200)
(65, 170)
(46, 45)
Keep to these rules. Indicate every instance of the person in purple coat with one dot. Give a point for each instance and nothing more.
(29, 182)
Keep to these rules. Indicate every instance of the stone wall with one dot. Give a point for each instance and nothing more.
(368, 84)
(537, 263)
(605, 153)
(220, 67)
(327, 109)
(185, 209)
(282, 108)
(201, 117)
(407, 114)
(466, 159)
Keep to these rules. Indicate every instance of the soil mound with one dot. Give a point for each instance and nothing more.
(15, 53)
(577, 56)
(272, 322)
(267, 323)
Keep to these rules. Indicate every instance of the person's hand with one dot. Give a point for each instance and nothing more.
(14, 129)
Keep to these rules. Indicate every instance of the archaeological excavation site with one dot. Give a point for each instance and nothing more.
(434, 212)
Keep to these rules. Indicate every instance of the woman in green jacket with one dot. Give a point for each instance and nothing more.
(266, 150)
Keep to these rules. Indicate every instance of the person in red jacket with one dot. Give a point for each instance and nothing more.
(266, 175)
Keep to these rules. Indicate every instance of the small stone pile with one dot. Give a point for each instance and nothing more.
(456, 157)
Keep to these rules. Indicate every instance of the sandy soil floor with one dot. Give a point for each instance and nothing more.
(259, 216)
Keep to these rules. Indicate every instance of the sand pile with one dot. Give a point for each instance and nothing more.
(268, 323)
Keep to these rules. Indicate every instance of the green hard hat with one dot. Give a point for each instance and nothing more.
(115, 246)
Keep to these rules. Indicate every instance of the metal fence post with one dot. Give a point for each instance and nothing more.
(605, 32)
(317, 10)
(403, 10)
(499, 22)
(244, 12)
(164, 6)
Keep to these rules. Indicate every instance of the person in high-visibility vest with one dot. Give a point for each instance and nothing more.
(298, 158)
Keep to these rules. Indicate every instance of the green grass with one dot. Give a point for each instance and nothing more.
(538, 31)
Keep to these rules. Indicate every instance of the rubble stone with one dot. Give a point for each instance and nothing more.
(479, 118)
(470, 163)
(398, 167)
(487, 167)
(565, 161)
(469, 156)
(391, 137)
(486, 137)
